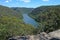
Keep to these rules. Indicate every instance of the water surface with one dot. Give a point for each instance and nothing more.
(29, 20)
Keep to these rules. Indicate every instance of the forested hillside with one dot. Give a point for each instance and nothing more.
(5, 11)
(48, 17)
(11, 24)
(22, 9)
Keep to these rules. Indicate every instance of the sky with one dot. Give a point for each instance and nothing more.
(28, 3)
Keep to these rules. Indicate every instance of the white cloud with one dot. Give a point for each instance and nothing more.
(45, 0)
(26, 1)
(8, 0)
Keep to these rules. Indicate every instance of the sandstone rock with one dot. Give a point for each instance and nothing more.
(44, 36)
(55, 34)
(34, 37)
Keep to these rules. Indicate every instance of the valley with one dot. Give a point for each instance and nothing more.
(28, 21)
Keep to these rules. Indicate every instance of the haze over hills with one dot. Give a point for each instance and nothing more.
(23, 10)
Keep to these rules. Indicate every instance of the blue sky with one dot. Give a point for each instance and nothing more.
(28, 3)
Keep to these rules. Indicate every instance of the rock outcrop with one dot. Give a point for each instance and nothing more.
(55, 35)
(44, 36)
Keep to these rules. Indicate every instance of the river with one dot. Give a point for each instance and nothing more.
(28, 20)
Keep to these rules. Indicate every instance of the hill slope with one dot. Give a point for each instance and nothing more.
(11, 24)
(48, 17)
(5, 11)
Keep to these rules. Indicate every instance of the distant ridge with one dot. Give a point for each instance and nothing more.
(22, 9)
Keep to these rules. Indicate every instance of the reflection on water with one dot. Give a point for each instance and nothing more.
(29, 20)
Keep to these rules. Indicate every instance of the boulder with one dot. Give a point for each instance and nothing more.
(55, 34)
(44, 36)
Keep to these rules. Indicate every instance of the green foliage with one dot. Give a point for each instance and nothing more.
(5, 11)
(48, 17)
(11, 24)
